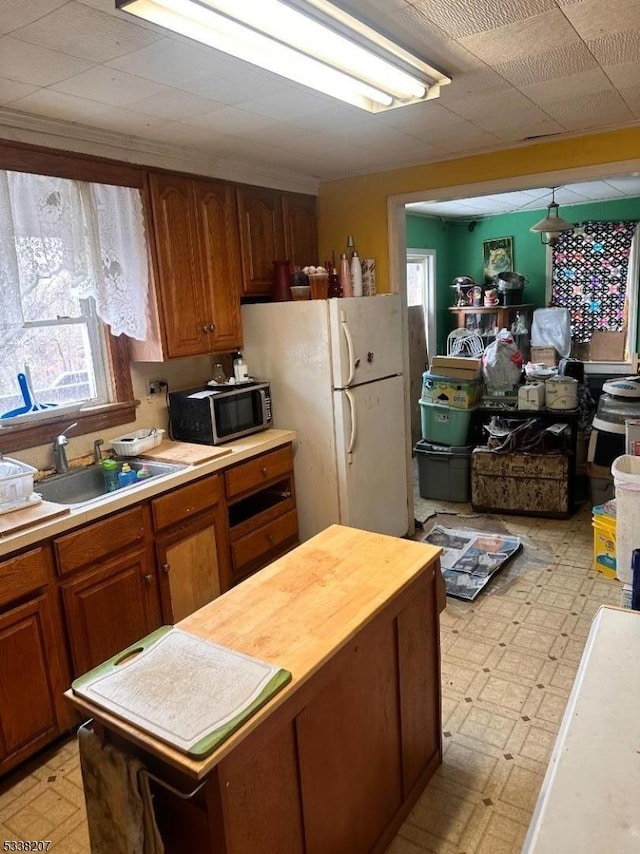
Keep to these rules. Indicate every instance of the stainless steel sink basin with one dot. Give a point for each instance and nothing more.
(80, 486)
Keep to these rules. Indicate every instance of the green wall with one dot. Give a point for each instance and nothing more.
(459, 251)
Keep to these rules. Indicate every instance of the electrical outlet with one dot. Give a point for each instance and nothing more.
(153, 387)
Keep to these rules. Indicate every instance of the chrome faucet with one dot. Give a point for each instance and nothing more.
(97, 453)
(59, 450)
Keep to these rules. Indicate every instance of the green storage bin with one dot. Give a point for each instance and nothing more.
(444, 425)
(444, 472)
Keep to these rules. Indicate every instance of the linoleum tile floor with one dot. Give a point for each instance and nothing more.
(508, 663)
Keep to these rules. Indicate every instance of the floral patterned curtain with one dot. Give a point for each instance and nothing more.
(589, 276)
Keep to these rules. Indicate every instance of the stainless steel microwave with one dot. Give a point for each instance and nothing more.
(214, 415)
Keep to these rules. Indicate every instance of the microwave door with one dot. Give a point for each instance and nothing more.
(238, 414)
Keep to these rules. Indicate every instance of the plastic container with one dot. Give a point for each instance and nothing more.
(626, 478)
(143, 473)
(604, 542)
(444, 425)
(356, 276)
(443, 472)
(299, 292)
(126, 475)
(240, 369)
(133, 444)
(16, 482)
(110, 472)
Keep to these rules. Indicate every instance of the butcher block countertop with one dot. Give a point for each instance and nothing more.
(297, 613)
(240, 450)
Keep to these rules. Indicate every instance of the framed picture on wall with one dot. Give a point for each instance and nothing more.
(498, 257)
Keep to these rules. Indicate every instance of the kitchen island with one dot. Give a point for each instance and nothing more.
(335, 761)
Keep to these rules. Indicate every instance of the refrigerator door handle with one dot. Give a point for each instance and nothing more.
(350, 353)
(352, 438)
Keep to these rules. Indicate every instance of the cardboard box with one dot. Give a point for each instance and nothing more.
(459, 393)
(456, 367)
(544, 356)
(632, 433)
(607, 346)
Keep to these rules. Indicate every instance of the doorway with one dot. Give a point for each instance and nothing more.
(421, 322)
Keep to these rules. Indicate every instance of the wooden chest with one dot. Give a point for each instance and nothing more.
(531, 484)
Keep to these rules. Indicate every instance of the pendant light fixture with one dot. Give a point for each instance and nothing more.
(311, 42)
(552, 225)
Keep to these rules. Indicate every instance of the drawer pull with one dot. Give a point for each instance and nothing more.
(166, 567)
(270, 538)
(263, 471)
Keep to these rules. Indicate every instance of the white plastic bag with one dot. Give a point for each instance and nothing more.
(502, 362)
(551, 327)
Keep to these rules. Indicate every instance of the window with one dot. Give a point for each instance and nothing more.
(73, 270)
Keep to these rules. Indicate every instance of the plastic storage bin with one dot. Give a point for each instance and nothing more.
(604, 541)
(444, 425)
(626, 478)
(443, 472)
(461, 394)
(137, 442)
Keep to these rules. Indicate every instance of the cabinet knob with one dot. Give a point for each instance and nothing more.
(208, 327)
(166, 567)
(263, 471)
(148, 578)
(270, 538)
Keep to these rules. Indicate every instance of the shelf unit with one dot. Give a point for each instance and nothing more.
(488, 321)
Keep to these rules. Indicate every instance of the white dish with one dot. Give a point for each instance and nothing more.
(21, 504)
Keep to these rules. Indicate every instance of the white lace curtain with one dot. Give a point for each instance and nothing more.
(87, 237)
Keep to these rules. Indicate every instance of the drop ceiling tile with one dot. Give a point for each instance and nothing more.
(626, 75)
(10, 90)
(524, 38)
(480, 81)
(171, 62)
(173, 104)
(525, 126)
(616, 48)
(494, 103)
(632, 99)
(230, 120)
(124, 121)
(58, 105)
(109, 86)
(187, 136)
(574, 86)
(285, 107)
(422, 119)
(559, 62)
(79, 31)
(460, 18)
(591, 111)
(593, 19)
(26, 63)
(233, 86)
(16, 13)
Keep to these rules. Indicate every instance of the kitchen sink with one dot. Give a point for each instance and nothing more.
(80, 486)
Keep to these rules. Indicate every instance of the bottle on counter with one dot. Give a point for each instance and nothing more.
(143, 472)
(356, 275)
(219, 375)
(334, 289)
(240, 369)
(110, 473)
(345, 276)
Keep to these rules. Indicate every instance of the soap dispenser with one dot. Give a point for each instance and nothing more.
(126, 475)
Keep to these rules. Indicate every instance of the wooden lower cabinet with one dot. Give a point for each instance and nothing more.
(33, 666)
(110, 607)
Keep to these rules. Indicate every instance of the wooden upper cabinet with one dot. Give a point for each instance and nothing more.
(261, 237)
(300, 229)
(197, 251)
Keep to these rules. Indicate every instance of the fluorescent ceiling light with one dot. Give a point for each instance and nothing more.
(309, 41)
(553, 224)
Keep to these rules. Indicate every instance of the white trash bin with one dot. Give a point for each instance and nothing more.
(626, 479)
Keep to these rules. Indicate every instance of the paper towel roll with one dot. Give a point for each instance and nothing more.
(368, 277)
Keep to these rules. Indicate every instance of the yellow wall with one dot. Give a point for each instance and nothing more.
(358, 205)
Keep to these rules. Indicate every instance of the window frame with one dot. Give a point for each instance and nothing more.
(22, 157)
(428, 258)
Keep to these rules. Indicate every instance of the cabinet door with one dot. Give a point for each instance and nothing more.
(28, 686)
(109, 608)
(261, 237)
(194, 564)
(180, 285)
(300, 229)
(219, 246)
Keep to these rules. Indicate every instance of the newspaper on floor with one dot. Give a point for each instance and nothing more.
(470, 558)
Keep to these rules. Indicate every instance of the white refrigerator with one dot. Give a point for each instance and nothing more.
(335, 368)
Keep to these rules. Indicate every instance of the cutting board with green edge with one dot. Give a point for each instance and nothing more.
(185, 691)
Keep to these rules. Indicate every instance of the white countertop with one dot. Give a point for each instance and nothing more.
(242, 449)
(590, 799)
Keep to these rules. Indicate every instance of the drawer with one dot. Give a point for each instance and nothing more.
(256, 472)
(180, 505)
(92, 543)
(257, 548)
(23, 574)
